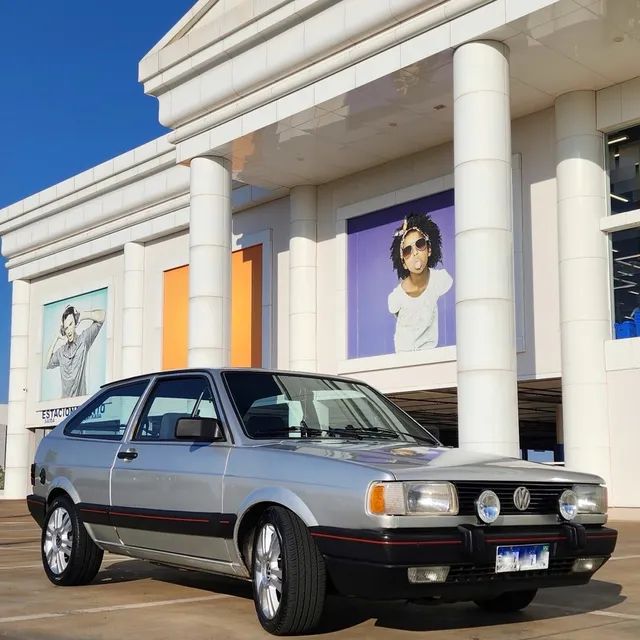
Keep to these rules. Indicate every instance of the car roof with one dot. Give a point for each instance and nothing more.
(169, 372)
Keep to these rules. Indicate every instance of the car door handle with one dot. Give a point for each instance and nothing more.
(131, 454)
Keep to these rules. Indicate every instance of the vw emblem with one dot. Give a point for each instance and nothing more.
(521, 498)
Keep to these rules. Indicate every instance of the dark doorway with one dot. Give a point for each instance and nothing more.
(539, 403)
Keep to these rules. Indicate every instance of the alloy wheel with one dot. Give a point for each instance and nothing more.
(58, 540)
(268, 571)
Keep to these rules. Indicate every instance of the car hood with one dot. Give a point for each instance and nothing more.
(407, 461)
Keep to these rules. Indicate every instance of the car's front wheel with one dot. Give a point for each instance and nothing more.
(508, 602)
(69, 555)
(288, 574)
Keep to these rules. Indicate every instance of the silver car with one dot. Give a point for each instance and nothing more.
(305, 484)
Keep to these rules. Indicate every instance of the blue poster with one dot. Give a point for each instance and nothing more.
(74, 346)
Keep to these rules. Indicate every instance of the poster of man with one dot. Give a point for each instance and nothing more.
(400, 278)
(74, 349)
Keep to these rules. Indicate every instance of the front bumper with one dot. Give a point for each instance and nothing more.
(374, 563)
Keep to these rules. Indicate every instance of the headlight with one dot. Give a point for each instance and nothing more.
(568, 504)
(592, 498)
(412, 498)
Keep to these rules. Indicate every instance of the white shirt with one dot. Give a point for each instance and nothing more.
(417, 317)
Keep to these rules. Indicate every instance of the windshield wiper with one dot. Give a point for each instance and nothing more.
(305, 432)
(360, 433)
(344, 432)
(382, 433)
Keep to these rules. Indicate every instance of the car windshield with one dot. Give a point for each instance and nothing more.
(272, 405)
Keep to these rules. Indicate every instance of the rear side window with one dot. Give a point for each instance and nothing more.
(107, 416)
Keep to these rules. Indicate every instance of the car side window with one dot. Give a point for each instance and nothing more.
(170, 400)
(107, 416)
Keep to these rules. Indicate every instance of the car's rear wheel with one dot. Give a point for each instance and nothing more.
(508, 602)
(69, 555)
(288, 574)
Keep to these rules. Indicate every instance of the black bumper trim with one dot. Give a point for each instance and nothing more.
(390, 582)
(37, 508)
(374, 563)
(217, 525)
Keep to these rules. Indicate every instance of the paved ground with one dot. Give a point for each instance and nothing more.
(132, 599)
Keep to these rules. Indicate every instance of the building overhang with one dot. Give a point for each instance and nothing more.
(310, 91)
(138, 196)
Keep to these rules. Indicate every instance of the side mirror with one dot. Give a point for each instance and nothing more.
(199, 429)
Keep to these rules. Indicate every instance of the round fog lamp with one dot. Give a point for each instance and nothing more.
(568, 504)
(488, 506)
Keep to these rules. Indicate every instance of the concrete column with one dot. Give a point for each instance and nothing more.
(210, 263)
(302, 279)
(16, 480)
(485, 309)
(584, 282)
(132, 316)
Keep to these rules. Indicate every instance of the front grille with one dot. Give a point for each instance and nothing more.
(544, 496)
(474, 573)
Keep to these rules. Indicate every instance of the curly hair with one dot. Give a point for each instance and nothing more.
(423, 223)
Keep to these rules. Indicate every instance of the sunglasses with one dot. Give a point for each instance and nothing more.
(420, 244)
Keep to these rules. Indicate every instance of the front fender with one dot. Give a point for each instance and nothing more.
(278, 495)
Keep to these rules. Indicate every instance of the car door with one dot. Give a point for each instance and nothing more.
(93, 437)
(166, 494)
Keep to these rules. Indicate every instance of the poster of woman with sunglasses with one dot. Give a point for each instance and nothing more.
(405, 305)
(416, 249)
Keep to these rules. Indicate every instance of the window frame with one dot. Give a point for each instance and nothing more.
(615, 222)
(148, 401)
(78, 416)
(392, 406)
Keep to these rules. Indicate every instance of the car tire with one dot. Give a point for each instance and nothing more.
(69, 555)
(508, 602)
(287, 573)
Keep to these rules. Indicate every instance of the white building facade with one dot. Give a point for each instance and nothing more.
(309, 140)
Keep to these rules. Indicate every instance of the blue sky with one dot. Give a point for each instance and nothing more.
(70, 97)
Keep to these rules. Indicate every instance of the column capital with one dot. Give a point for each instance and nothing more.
(575, 114)
(217, 159)
(496, 44)
(303, 202)
(480, 67)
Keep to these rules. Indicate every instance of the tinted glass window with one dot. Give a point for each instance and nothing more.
(624, 169)
(289, 406)
(170, 400)
(107, 416)
(626, 282)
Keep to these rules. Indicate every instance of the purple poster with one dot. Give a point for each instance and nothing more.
(400, 278)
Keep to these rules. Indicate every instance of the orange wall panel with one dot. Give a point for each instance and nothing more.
(246, 312)
(246, 307)
(175, 318)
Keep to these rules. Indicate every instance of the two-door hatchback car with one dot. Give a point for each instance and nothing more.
(303, 484)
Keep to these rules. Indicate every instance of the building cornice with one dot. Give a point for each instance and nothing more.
(233, 76)
(109, 176)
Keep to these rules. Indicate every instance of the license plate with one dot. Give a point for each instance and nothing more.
(528, 557)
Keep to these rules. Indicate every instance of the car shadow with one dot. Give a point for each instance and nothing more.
(131, 570)
(344, 613)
